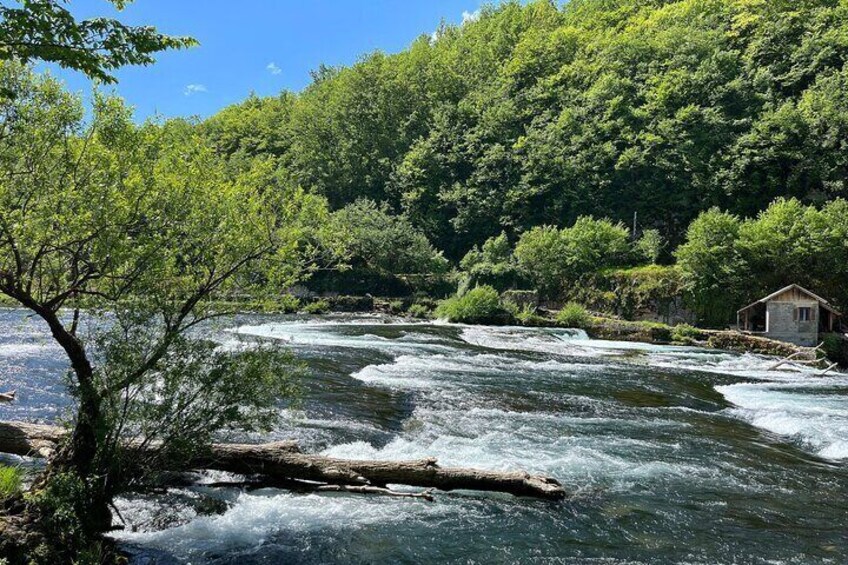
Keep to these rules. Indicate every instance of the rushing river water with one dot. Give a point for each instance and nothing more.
(673, 455)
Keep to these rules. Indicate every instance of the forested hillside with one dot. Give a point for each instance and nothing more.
(537, 114)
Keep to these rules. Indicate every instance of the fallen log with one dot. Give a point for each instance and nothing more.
(35, 440)
(306, 487)
(284, 460)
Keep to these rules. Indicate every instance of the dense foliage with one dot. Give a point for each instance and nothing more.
(492, 264)
(536, 114)
(728, 261)
(724, 263)
(480, 305)
(519, 142)
(120, 238)
(45, 30)
(556, 258)
(385, 243)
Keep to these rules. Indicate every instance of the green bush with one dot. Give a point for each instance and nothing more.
(684, 333)
(557, 258)
(419, 311)
(64, 503)
(386, 243)
(835, 348)
(317, 307)
(396, 306)
(10, 480)
(288, 304)
(480, 305)
(492, 264)
(573, 315)
(526, 315)
(650, 246)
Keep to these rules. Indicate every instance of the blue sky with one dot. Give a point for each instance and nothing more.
(257, 45)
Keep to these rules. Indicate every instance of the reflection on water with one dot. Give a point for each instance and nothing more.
(673, 454)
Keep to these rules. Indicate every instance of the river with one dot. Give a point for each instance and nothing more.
(671, 454)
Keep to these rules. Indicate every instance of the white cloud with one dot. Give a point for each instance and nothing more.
(194, 89)
(468, 17)
(273, 68)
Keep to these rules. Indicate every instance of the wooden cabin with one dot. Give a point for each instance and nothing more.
(792, 314)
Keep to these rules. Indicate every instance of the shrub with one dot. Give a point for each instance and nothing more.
(480, 305)
(650, 246)
(556, 258)
(526, 315)
(378, 240)
(684, 333)
(288, 304)
(62, 502)
(317, 307)
(396, 306)
(10, 480)
(419, 311)
(835, 348)
(573, 315)
(492, 264)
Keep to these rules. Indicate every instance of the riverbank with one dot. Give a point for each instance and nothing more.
(520, 310)
(725, 340)
(597, 326)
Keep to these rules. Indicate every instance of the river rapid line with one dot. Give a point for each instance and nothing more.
(673, 454)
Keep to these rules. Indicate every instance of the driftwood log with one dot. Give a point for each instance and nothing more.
(284, 460)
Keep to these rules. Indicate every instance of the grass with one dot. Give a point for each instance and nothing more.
(11, 479)
(480, 305)
(317, 307)
(684, 333)
(574, 315)
(419, 311)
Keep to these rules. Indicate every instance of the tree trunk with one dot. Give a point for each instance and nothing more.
(283, 460)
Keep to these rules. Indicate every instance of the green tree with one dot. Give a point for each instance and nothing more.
(650, 245)
(541, 254)
(538, 113)
(385, 243)
(555, 259)
(778, 245)
(45, 30)
(492, 264)
(713, 269)
(134, 231)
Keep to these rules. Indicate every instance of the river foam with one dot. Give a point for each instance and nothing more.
(663, 447)
(804, 410)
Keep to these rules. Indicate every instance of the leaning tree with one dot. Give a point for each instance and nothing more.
(121, 238)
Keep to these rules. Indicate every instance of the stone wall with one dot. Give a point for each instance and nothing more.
(784, 326)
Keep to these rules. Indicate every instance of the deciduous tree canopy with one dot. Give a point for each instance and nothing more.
(536, 114)
(45, 30)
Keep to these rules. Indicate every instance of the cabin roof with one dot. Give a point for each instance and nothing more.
(822, 302)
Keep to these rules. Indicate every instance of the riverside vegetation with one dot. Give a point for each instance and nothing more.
(498, 142)
(507, 154)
